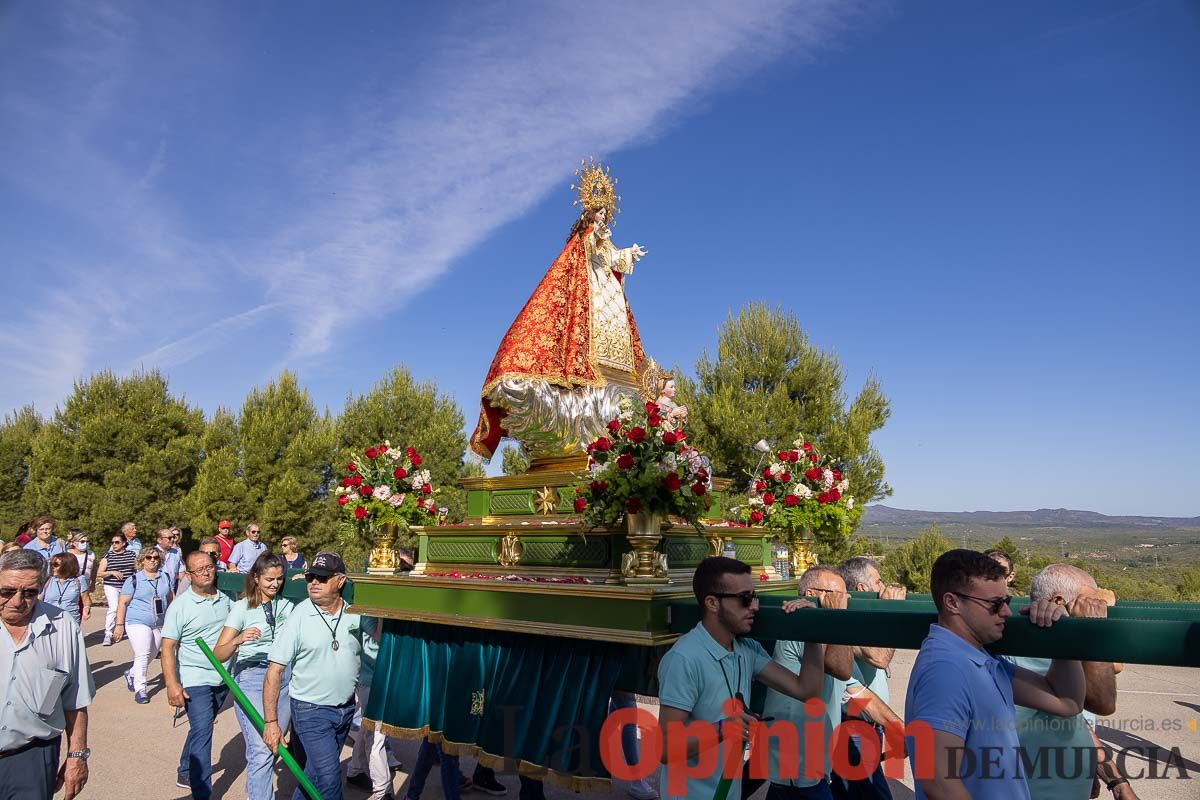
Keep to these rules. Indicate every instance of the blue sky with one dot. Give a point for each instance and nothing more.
(991, 207)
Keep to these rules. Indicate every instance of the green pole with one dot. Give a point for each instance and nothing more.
(256, 719)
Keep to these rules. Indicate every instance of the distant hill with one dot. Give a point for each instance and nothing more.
(1044, 519)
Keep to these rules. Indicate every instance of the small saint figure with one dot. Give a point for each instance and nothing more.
(674, 416)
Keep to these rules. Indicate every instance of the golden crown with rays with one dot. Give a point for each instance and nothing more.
(597, 188)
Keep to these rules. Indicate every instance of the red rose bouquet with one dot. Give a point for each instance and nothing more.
(386, 486)
(641, 467)
(800, 491)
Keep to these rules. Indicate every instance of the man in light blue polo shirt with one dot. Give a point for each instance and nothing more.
(1044, 736)
(247, 551)
(192, 683)
(172, 559)
(805, 781)
(322, 643)
(44, 542)
(965, 696)
(868, 684)
(713, 663)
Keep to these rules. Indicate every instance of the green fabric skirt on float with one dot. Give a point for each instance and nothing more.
(508, 699)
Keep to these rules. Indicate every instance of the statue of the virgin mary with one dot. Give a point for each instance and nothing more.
(574, 350)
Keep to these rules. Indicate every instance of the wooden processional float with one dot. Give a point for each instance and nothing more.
(516, 627)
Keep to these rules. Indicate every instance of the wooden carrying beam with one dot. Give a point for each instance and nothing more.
(1120, 603)
(1172, 643)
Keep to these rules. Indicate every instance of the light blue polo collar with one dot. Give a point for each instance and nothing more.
(947, 638)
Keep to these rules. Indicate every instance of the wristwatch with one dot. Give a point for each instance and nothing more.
(84, 753)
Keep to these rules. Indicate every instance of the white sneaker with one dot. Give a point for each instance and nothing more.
(642, 790)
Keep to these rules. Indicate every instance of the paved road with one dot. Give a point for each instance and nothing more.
(136, 748)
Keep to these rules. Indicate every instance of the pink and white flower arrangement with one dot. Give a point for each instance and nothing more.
(801, 490)
(386, 486)
(639, 466)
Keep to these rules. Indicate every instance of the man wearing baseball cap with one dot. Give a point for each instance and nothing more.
(322, 644)
(225, 540)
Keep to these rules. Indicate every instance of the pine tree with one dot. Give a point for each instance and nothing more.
(219, 491)
(514, 461)
(286, 451)
(17, 433)
(118, 449)
(768, 381)
(410, 414)
(911, 563)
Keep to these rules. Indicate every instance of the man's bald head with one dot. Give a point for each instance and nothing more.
(1065, 581)
(820, 578)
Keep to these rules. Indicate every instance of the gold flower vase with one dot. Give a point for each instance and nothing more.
(800, 548)
(383, 560)
(644, 564)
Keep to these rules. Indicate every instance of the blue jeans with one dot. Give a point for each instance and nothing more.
(872, 788)
(820, 791)
(260, 762)
(629, 733)
(322, 731)
(195, 762)
(427, 755)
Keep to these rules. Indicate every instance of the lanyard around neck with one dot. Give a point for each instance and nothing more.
(721, 664)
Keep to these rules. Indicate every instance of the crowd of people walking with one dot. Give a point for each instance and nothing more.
(307, 667)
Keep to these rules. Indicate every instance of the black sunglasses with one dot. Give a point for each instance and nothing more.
(994, 604)
(26, 594)
(309, 578)
(745, 598)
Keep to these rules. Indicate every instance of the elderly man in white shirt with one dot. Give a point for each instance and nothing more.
(45, 687)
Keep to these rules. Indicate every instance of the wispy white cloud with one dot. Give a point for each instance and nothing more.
(425, 164)
(213, 335)
(497, 121)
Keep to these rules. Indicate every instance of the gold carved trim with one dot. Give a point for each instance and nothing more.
(620, 636)
(605, 591)
(510, 550)
(526, 481)
(545, 500)
(575, 783)
(575, 462)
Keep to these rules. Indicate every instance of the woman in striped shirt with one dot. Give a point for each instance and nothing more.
(117, 565)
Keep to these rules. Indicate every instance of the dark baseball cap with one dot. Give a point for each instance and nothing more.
(326, 564)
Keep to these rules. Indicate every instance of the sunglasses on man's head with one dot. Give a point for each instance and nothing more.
(994, 604)
(26, 594)
(318, 578)
(745, 598)
(117, 541)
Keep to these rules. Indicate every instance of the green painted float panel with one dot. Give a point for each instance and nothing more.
(477, 502)
(511, 501)
(559, 608)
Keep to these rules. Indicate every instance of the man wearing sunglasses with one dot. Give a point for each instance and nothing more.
(247, 551)
(322, 643)
(966, 695)
(45, 687)
(714, 662)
